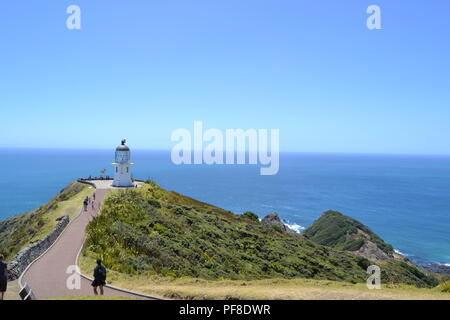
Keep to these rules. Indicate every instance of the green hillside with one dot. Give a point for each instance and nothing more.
(336, 230)
(340, 232)
(19, 231)
(154, 232)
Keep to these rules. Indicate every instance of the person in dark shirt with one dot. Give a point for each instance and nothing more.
(85, 204)
(3, 277)
(99, 277)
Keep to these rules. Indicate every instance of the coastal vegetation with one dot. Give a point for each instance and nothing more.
(444, 286)
(167, 245)
(151, 230)
(333, 229)
(151, 233)
(19, 231)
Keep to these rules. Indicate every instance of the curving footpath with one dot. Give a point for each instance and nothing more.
(47, 275)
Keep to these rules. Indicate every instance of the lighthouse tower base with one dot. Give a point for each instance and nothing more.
(122, 175)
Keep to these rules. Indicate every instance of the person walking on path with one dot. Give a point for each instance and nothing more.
(3, 277)
(85, 204)
(93, 196)
(99, 277)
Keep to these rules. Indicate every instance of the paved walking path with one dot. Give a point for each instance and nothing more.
(47, 276)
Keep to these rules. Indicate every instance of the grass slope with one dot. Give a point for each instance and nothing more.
(19, 231)
(157, 232)
(154, 232)
(267, 289)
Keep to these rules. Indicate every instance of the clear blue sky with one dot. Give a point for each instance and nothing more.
(140, 69)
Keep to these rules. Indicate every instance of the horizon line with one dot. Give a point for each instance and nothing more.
(282, 151)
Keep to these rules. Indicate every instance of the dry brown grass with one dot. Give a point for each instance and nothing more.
(272, 289)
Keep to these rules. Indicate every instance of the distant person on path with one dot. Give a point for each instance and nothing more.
(85, 203)
(93, 196)
(99, 277)
(3, 277)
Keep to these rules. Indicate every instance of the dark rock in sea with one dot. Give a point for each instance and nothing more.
(438, 268)
(272, 219)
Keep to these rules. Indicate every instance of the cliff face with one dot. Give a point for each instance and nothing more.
(370, 250)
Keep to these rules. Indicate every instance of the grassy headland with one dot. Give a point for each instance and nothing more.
(336, 230)
(165, 244)
(340, 232)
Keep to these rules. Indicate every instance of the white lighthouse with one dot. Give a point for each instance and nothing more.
(122, 167)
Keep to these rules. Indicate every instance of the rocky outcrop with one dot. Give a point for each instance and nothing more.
(34, 250)
(367, 249)
(272, 219)
(370, 250)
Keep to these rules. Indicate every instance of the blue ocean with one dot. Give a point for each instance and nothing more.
(404, 199)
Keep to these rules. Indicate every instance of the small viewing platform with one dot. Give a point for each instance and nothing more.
(106, 183)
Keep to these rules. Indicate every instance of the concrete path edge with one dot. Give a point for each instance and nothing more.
(108, 286)
(43, 253)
